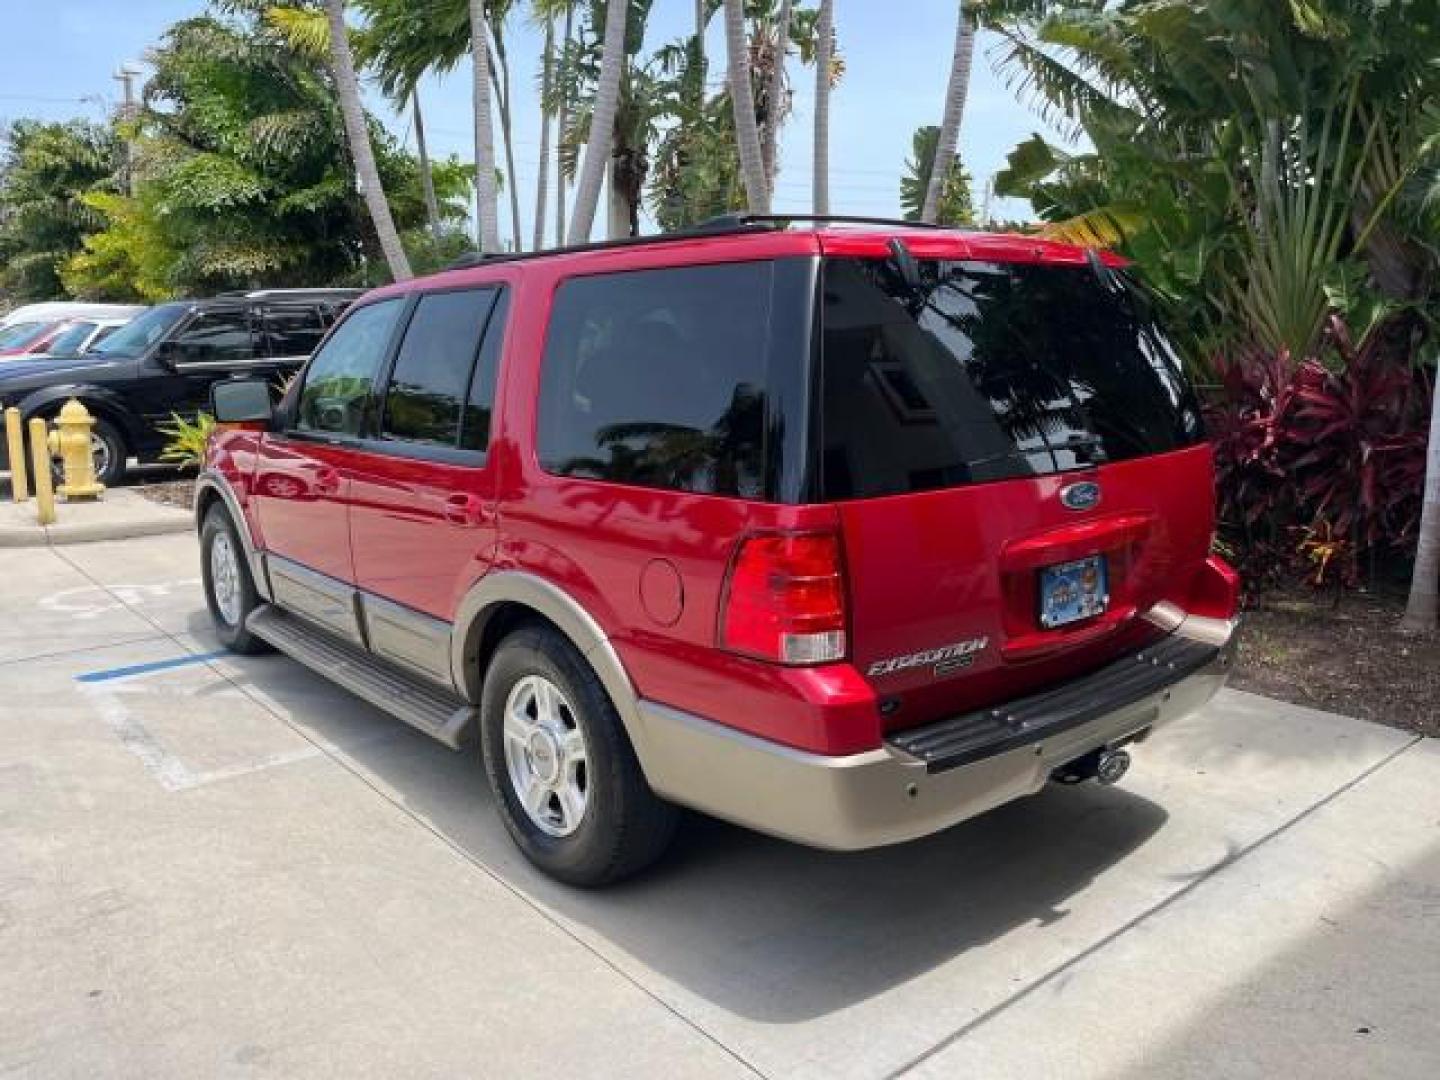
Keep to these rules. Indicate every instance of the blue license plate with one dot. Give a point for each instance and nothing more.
(1074, 591)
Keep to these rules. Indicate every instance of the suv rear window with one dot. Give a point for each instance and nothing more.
(989, 371)
(658, 378)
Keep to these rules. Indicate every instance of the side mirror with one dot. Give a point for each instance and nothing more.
(241, 401)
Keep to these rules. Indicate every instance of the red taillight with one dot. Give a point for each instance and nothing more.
(785, 600)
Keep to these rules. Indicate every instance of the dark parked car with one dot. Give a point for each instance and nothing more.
(844, 534)
(164, 361)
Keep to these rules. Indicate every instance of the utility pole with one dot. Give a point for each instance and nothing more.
(126, 76)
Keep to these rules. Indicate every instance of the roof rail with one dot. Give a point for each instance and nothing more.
(737, 221)
(715, 226)
(285, 294)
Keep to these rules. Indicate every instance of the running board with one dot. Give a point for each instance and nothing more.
(418, 702)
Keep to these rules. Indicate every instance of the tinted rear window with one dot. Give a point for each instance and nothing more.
(658, 378)
(989, 371)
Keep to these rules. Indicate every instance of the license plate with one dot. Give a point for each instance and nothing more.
(1073, 591)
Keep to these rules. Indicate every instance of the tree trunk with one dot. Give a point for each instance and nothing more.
(547, 70)
(617, 221)
(1421, 611)
(562, 118)
(427, 178)
(742, 98)
(487, 206)
(955, 95)
(776, 91)
(347, 87)
(507, 140)
(602, 122)
(824, 51)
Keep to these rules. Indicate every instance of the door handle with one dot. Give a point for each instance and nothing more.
(462, 508)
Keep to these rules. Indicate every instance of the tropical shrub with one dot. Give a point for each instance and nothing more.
(1319, 463)
(186, 439)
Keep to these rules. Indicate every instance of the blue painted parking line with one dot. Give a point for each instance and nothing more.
(145, 669)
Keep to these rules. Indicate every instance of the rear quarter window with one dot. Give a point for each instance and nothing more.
(658, 378)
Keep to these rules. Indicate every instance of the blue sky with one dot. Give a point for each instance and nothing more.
(60, 56)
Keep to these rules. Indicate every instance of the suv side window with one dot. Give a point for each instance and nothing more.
(336, 393)
(658, 378)
(215, 337)
(293, 331)
(426, 399)
(475, 431)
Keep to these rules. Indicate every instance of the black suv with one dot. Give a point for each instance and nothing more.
(165, 361)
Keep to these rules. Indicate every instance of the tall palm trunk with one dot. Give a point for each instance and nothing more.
(773, 112)
(1424, 605)
(427, 178)
(562, 120)
(955, 95)
(824, 51)
(347, 88)
(542, 182)
(742, 97)
(500, 74)
(602, 122)
(487, 207)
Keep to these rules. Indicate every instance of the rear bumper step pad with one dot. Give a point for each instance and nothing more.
(961, 740)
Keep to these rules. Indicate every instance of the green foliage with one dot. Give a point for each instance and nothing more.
(1244, 154)
(185, 439)
(46, 169)
(956, 206)
(243, 173)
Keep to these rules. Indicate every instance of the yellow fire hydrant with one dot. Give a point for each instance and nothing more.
(71, 440)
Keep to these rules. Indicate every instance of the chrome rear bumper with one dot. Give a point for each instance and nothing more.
(889, 795)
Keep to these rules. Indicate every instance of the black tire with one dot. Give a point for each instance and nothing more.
(232, 633)
(625, 826)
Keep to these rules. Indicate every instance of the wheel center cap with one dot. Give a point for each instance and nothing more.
(544, 757)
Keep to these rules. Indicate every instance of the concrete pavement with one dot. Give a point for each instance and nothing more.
(212, 865)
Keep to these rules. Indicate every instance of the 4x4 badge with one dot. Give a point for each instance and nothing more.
(1082, 496)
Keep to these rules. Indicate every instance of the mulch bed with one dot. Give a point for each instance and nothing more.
(1349, 658)
(179, 493)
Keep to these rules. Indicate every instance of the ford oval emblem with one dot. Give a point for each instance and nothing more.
(1082, 496)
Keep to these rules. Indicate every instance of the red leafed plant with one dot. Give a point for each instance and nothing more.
(1309, 450)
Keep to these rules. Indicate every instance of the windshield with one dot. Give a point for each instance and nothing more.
(135, 337)
(989, 371)
(68, 342)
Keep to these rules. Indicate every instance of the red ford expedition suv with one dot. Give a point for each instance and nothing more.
(845, 533)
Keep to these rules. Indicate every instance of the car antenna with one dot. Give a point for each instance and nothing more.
(905, 262)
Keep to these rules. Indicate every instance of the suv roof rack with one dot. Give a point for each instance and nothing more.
(715, 226)
(287, 294)
(737, 222)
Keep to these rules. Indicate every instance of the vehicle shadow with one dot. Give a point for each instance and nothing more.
(766, 929)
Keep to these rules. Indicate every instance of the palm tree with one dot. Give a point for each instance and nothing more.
(488, 206)
(955, 95)
(562, 118)
(742, 99)
(427, 178)
(776, 92)
(542, 182)
(824, 47)
(347, 88)
(500, 83)
(602, 121)
(1424, 605)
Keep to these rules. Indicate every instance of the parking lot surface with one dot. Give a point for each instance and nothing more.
(223, 866)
